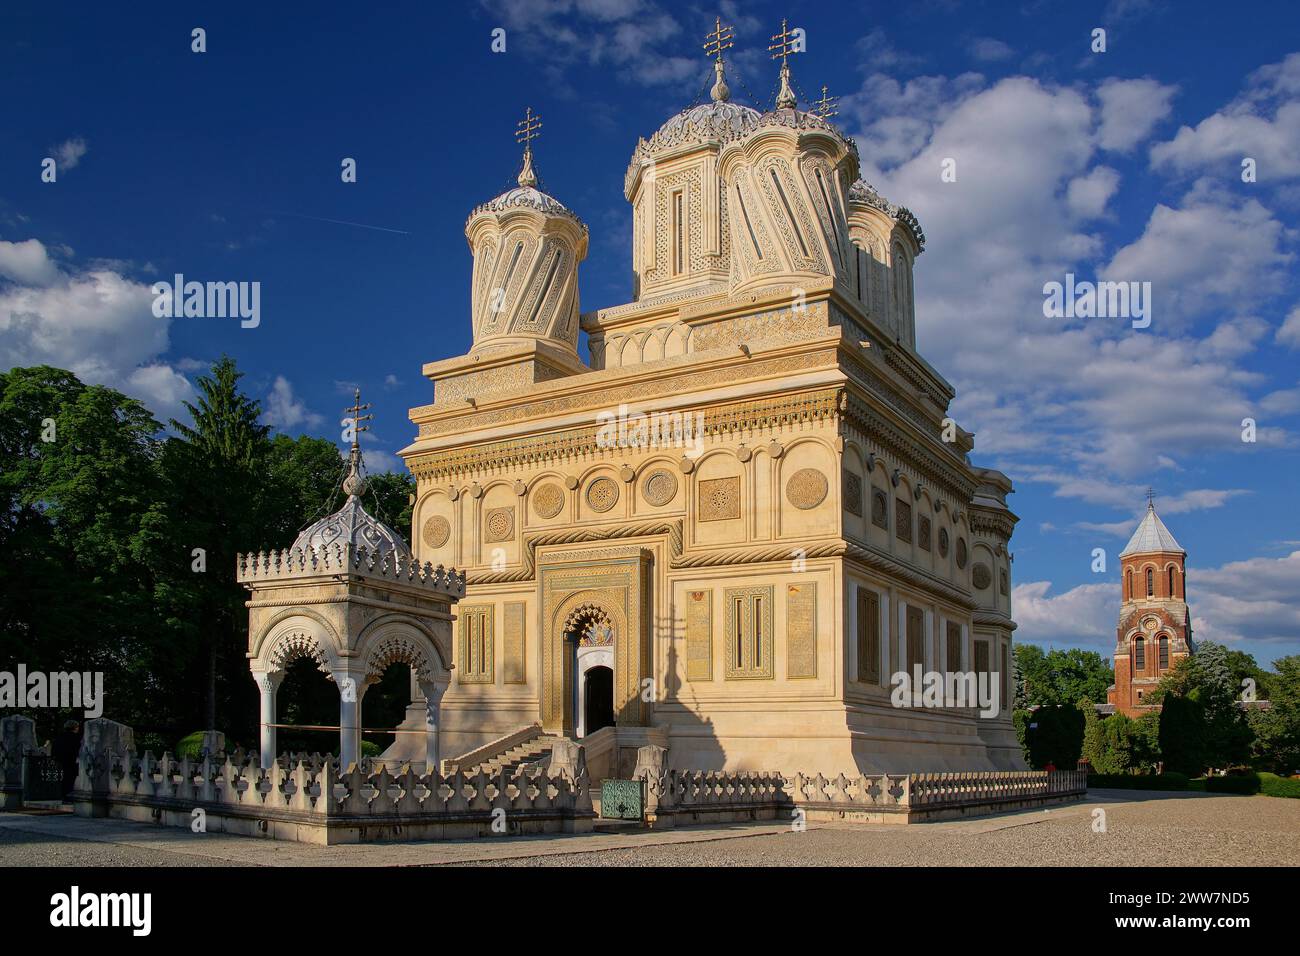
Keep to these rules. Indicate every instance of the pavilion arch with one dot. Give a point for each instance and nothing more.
(293, 634)
(623, 657)
(400, 639)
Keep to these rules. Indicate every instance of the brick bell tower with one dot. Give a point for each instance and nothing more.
(1155, 629)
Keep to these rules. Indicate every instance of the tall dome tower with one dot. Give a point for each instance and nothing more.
(524, 298)
(682, 243)
(1155, 629)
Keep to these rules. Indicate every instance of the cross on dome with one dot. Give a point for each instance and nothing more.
(525, 132)
(783, 44)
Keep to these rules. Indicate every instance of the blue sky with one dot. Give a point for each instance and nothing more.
(1125, 164)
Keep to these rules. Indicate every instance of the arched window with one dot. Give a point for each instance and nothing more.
(1128, 585)
(1173, 592)
(1164, 652)
(1151, 582)
(1139, 654)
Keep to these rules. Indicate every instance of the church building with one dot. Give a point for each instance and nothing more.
(1155, 627)
(724, 524)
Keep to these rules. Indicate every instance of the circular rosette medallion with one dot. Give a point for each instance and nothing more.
(659, 488)
(548, 499)
(436, 531)
(806, 488)
(602, 494)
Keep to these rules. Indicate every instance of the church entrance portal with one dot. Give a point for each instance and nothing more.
(598, 691)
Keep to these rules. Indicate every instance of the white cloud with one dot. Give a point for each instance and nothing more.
(1082, 616)
(285, 410)
(1130, 110)
(68, 153)
(1289, 332)
(97, 323)
(1087, 195)
(27, 262)
(1262, 123)
(989, 50)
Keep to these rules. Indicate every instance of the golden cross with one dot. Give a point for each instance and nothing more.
(826, 106)
(357, 418)
(527, 129)
(718, 40)
(782, 44)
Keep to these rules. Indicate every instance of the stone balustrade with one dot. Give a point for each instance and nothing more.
(313, 801)
(340, 559)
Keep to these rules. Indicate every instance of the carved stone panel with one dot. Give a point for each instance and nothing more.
(436, 531)
(548, 499)
(806, 488)
(801, 630)
(659, 487)
(499, 525)
(602, 494)
(719, 499)
(515, 649)
(880, 509)
(699, 635)
(852, 493)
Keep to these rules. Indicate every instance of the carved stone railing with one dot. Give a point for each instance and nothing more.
(288, 564)
(316, 794)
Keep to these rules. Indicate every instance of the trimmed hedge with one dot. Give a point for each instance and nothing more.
(1275, 786)
(1246, 783)
(1139, 781)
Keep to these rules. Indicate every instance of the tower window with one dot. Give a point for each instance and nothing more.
(1140, 655)
(679, 232)
(1151, 582)
(1164, 652)
(1172, 591)
(1128, 584)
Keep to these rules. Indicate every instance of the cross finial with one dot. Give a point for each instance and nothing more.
(358, 420)
(718, 40)
(827, 105)
(1151, 498)
(525, 132)
(783, 44)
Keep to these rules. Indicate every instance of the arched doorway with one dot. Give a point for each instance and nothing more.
(598, 702)
(589, 641)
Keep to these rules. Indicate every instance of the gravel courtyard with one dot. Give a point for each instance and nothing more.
(1141, 829)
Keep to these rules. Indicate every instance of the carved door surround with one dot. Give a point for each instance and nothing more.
(616, 583)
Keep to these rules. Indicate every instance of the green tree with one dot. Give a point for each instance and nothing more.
(1061, 676)
(1276, 746)
(1182, 733)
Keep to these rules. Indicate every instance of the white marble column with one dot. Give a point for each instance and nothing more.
(268, 682)
(432, 692)
(351, 688)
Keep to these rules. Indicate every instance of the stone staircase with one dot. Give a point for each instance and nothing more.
(531, 753)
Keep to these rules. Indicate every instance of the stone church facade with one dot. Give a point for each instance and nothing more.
(728, 524)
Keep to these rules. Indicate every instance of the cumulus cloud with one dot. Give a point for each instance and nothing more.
(1262, 123)
(989, 50)
(1130, 110)
(97, 323)
(1087, 195)
(1083, 616)
(1289, 332)
(285, 410)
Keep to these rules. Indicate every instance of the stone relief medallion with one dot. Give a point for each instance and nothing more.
(436, 531)
(879, 509)
(660, 487)
(961, 552)
(806, 488)
(548, 499)
(602, 494)
(852, 493)
(943, 542)
(1150, 624)
(981, 576)
(500, 524)
(719, 499)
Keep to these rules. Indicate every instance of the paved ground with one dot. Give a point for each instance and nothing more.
(1142, 829)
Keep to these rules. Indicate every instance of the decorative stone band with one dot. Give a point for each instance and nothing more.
(866, 555)
(315, 791)
(344, 559)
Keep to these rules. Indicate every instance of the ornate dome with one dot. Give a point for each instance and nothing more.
(707, 122)
(528, 197)
(352, 524)
(863, 192)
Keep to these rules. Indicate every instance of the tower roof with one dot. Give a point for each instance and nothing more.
(1151, 536)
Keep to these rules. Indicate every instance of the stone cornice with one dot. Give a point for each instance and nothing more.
(987, 618)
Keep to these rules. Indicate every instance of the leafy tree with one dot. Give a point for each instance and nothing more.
(1277, 730)
(388, 497)
(1182, 734)
(1054, 735)
(1061, 677)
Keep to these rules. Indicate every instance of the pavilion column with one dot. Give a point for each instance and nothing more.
(432, 692)
(351, 690)
(268, 683)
